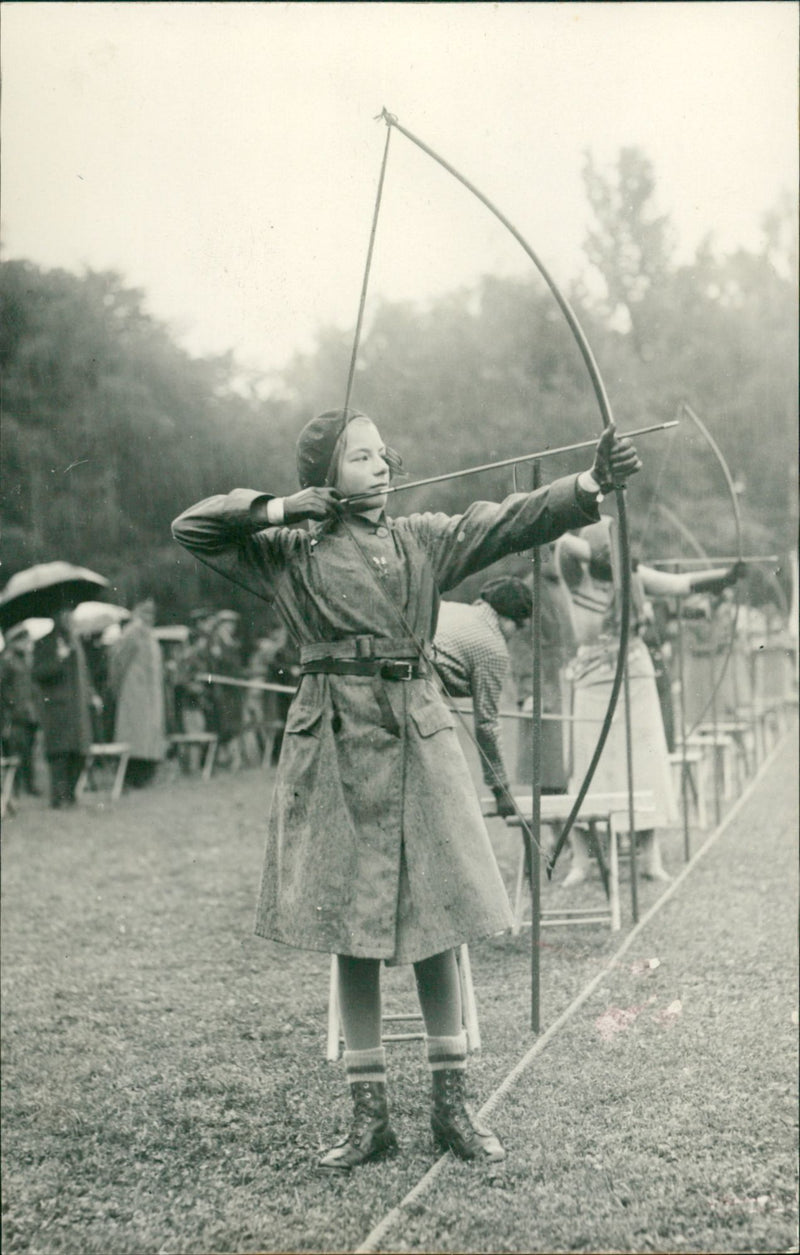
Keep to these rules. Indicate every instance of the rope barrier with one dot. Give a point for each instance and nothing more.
(462, 708)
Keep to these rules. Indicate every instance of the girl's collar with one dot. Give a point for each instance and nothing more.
(372, 525)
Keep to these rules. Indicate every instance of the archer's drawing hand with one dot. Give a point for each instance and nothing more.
(615, 460)
(311, 503)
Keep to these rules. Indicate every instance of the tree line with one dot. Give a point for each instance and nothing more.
(110, 427)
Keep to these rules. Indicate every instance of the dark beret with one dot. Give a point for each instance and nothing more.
(316, 445)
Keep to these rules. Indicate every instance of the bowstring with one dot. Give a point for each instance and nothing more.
(653, 505)
(367, 268)
(728, 478)
(655, 496)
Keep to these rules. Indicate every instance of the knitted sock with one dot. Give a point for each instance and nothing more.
(447, 1052)
(365, 1065)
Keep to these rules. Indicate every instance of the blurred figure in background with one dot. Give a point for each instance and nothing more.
(709, 640)
(19, 717)
(191, 689)
(557, 648)
(254, 716)
(585, 563)
(656, 629)
(61, 672)
(470, 653)
(223, 701)
(265, 711)
(284, 669)
(172, 639)
(96, 648)
(137, 682)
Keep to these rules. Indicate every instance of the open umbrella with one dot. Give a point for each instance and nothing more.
(34, 629)
(45, 589)
(93, 616)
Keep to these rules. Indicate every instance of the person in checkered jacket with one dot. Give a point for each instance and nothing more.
(470, 653)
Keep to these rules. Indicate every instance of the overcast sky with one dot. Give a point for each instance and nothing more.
(224, 157)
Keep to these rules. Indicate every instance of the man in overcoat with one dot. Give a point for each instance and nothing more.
(136, 678)
(61, 672)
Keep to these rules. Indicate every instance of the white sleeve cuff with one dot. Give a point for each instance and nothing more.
(275, 513)
(588, 483)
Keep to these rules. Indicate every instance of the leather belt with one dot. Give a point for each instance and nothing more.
(381, 658)
(393, 669)
(360, 648)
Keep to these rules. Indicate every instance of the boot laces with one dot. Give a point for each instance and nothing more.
(453, 1103)
(366, 1109)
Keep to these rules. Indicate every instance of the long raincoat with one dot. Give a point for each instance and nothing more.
(66, 693)
(376, 845)
(137, 680)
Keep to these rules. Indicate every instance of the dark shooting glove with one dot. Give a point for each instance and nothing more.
(615, 460)
(718, 584)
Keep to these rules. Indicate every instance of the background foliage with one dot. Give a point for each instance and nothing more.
(110, 428)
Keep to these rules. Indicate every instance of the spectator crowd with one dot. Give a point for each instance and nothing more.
(78, 680)
(115, 676)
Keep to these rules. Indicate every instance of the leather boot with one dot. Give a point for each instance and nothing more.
(454, 1126)
(370, 1135)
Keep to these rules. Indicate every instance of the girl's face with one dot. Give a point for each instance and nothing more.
(363, 466)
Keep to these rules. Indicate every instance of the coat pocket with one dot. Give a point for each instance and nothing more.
(431, 717)
(304, 719)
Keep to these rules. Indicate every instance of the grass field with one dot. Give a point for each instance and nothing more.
(165, 1088)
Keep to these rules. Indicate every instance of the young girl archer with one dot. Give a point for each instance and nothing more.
(376, 847)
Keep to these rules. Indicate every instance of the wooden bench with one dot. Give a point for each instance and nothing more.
(208, 741)
(101, 752)
(721, 748)
(743, 735)
(468, 1004)
(9, 766)
(770, 718)
(608, 809)
(693, 764)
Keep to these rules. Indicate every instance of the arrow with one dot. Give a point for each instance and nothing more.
(710, 561)
(495, 466)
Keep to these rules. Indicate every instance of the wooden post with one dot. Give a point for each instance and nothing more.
(616, 561)
(684, 781)
(536, 782)
(626, 688)
(715, 757)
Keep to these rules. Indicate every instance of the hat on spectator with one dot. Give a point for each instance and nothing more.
(19, 632)
(203, 612)
(509, 597)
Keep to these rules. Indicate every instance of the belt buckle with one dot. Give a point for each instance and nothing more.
(396, 669)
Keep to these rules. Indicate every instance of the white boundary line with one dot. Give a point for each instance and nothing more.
(373, 1238)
